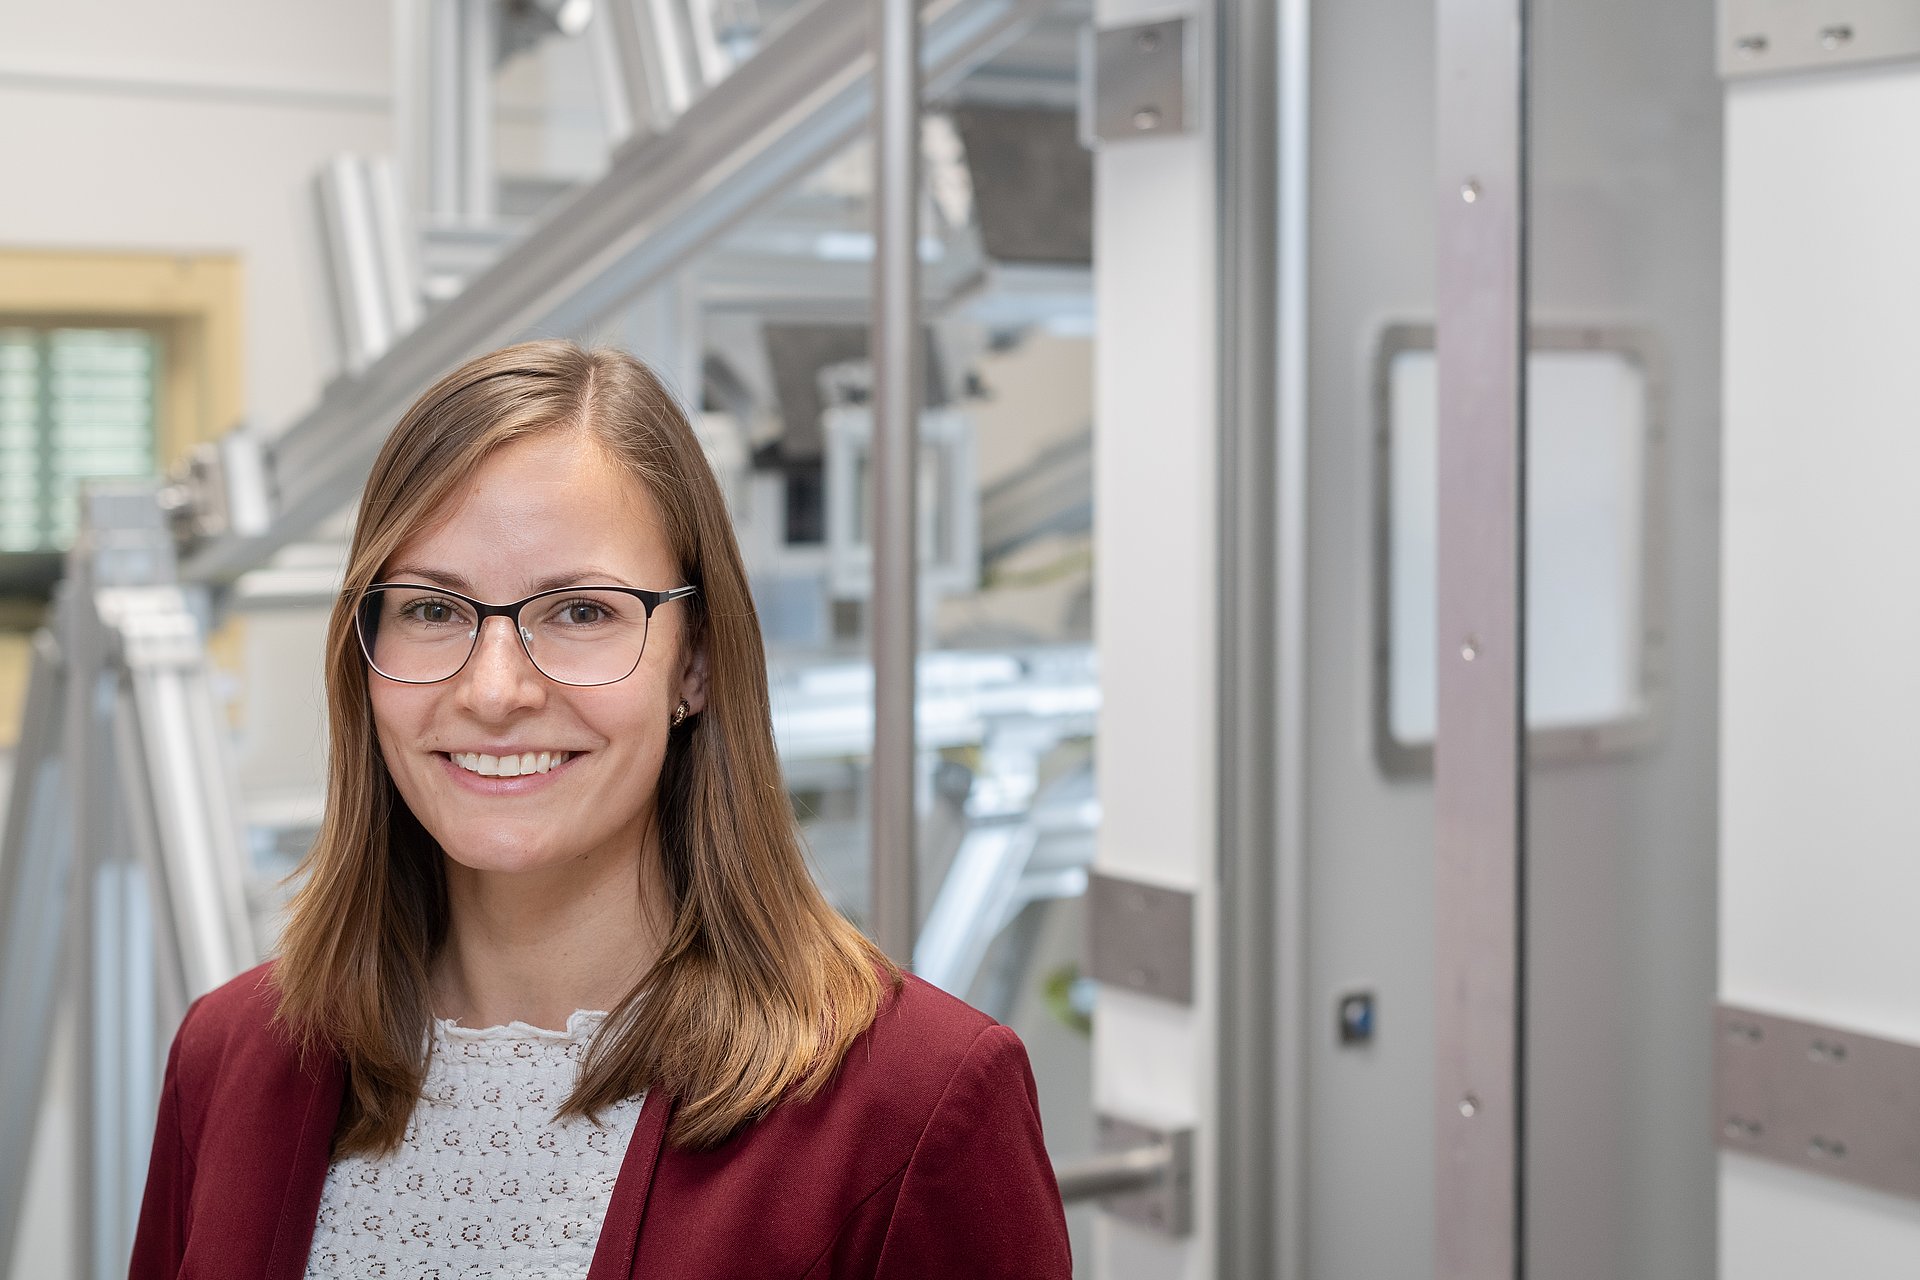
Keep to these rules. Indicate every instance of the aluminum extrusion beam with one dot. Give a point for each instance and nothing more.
(803, 96)
(36, 858)
(1246, 167)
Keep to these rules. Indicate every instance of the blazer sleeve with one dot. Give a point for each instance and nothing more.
(978, 1198)
(160, 1236)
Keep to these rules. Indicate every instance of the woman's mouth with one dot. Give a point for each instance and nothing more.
(509, 766)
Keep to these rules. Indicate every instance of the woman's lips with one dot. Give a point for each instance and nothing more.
(480, 784)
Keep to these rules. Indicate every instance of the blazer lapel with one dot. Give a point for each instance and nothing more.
(620, 1230)
(306, 1171)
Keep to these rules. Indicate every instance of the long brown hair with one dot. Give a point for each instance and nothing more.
(760, 986)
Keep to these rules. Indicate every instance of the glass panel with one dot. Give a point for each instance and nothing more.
(1625, 243)
(1591, 458)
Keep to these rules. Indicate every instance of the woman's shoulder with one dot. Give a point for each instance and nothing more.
(923, 1046)
(920, 1021)
(232, 1031)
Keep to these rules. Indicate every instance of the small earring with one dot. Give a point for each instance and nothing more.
(681, 712)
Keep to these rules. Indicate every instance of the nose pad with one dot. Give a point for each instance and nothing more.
(518, 671)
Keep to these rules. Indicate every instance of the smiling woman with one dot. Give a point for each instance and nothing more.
(558, 995)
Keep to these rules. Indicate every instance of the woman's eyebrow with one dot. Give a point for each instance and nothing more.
(591, 575)
(572, 577)
(419, 573)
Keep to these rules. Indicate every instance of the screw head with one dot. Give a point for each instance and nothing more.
(1146, 119)
(1470, 648)
(1470, 1106)
(1470, 191)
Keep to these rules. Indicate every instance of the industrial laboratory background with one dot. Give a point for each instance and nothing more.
(1403, 693)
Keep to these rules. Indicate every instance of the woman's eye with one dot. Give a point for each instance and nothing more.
(431, 613)
(582, 613)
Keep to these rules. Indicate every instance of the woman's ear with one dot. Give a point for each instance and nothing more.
(693, 680)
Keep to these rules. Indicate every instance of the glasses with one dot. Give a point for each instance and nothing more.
(417, 634)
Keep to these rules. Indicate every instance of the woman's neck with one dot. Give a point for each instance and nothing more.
(535, 948)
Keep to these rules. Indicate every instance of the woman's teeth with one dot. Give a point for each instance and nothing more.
(509, 766)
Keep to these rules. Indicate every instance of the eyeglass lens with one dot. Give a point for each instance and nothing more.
(576, 637)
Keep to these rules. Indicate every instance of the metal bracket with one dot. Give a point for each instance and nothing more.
(1140, 936)
(1143, 1175)
(221, 487)
(1136, 81)
(1832, 1101)
(1767, 37)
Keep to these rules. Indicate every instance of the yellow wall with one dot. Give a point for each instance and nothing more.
(193, 301)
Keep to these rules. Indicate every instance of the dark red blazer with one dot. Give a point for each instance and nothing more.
(921, 1159)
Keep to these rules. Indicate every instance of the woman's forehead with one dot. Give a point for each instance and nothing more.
(553, 510)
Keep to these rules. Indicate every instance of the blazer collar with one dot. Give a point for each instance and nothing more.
(318, 1101)
(620, 1229)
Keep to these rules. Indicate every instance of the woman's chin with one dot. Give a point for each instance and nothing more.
(511, 861)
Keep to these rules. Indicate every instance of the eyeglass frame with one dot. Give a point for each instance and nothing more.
(650, 600)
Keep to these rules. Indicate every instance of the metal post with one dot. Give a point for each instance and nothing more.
(440, 128)
(460, 42)
(895, 349)
(1247, 146)
(1479, 753)
(1296, 1006)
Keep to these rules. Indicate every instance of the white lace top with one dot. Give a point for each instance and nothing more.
(485, 1185)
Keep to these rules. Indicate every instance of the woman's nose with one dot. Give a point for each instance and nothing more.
(499, 676)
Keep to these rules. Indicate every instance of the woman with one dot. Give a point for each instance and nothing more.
(558, 996)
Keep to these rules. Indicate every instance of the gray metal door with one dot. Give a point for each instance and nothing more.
(1611, 914)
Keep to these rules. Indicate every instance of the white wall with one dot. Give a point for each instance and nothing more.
(194, 125)
(1820, 670)
(1155, 604)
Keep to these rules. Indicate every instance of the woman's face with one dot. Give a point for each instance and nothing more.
(549, 510)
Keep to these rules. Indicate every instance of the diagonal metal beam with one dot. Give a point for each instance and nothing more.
(807, 93)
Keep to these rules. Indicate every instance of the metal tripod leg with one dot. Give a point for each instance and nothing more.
(124, 854)
(36, 859)
(114, 1031)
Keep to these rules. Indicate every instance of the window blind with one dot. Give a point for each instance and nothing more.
(75, 404)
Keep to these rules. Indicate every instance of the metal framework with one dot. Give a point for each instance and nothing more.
(663, 197)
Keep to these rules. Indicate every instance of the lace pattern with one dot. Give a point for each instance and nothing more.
(485, 1185)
